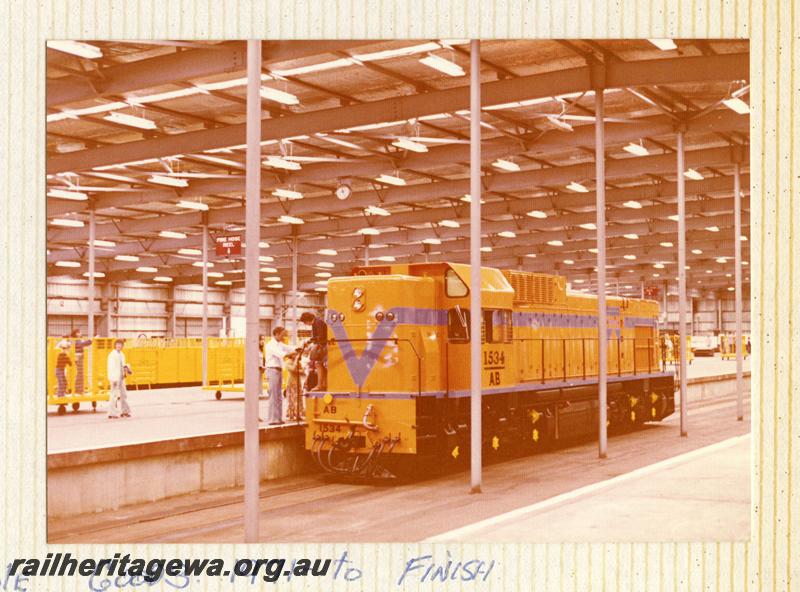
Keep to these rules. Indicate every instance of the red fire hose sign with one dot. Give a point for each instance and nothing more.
(229, 245)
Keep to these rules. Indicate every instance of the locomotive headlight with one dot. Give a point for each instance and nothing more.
(379, 316)
(389, 316)
(358, 305)
(334, 317)
(358, 293)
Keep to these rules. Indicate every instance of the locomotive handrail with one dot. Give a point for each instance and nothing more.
(396, 340)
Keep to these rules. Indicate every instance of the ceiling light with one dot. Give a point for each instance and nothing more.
(170, 181)
(97, 274)
(737, 104)
(263, 245)
(72, 223)
(443, 65)
(631, 236)
(431, 241)
(593, 250)
(507, 234)
(531, 255)
(146, 269)
(224, 283)
(575, 186)
(286, 219)
(190, 252)
(636, 149)
(104, 243)
(321, 289)
(193, 205)
(664, 44)
(731, 288)
(577, 281)
(486, 249)
(266, 259)
(272, 278)
(557, 123)
(693, 174)
(569, 262)
(656, 275)
(322, 274)
(162, 278)
(666, 244)
(505, 165)
(68, 264)
(281, 163)
(743, 237)
(674, 217)
(215, 274)
(64, 194)
(709, 271)
(588, 226)
(78, 48)
(171, 234)
(321, 283)
(537, 214)
(268, 270)
(126, 258)
(130, 120)
(449, 223)
(287, 194)
(386, 258)
(630, 257)
(634, 205)
(393, 53)
(369, 231)
(658, 265)
(721, 260)
(376, 211)
(712, 228)
(408, 144)
(200, 264)
(697, 251)
(468, 198)
(555, 243)
(278, 96)
(390, 180)
(275, 286)
(326, 265)
(330, 252)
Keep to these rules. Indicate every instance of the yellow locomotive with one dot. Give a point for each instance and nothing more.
(398, 367)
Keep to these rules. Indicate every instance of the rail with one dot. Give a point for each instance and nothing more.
(567, 353)
(395, 341)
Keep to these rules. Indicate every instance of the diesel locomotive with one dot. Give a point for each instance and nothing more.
(397, 397)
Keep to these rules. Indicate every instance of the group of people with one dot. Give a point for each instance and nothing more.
(63, 361)
(278, 355)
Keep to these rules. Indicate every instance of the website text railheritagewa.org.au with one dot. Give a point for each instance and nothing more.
(153, 570)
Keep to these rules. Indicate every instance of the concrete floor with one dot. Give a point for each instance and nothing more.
(705, 498)
(162, 414)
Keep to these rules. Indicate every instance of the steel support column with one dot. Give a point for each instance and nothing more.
(737, 223)
(602, 321)
(109, 294)
(294, 290)
(476, 423)
(682, 280)
(90, 330)
(204, 325)
(252, 281)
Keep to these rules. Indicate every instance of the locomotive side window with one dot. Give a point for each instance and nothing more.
(458, 324)
(496, 326)
(454, 287)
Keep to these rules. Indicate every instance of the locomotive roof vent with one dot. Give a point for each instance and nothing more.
(536, 288)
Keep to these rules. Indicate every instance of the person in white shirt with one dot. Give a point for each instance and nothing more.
(276, 350)
(117, 369)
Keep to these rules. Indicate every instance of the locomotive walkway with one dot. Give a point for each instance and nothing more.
(307, 508)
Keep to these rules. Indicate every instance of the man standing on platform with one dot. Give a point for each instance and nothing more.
(319, 352)
(80, 345)
(117, 369)
(275, 352)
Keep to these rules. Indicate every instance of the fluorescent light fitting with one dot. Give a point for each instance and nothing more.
(287, 194)
(588, 226)
(507, 234)
(555, 243)
(631, 236)
(593, 250)
(130, 120)
(569, 262)
(78, 48)
(70, 222)
(531, 255)
(486, 249)
(171, 234)
(147, 269)
(126, 258)
(634, 205)
(162, 278)
(697, 251)
(266, 259)
(64, 194)
(169, 181)
(279, 96)
(664, 44)
(636, 149)
(468, 198)
(666, 244)
(537, 214)
(275, 286)
(321, 289)
(223, 283)
(215, 274)
(386, 258)
(193, 205)
(68, 264)
(268, 270)
(326, 265)
(97, 274)
(693, 174)
(290, 220)
(277, 162)
(200, 264)
(390, 180)
(449, 224)
(272, 278)
(443, 65)
(376, 211)
(322, 274)
(629, 257)
(737, 104)
(190, 252)
(577, 187)
(408, 144)
(329, 252)
(721, 260)
(658, 265)
(369, 231)
(431, 241)
(505, 165)
(559, 124)
(104, 243)
(712, 228)
(674, 217)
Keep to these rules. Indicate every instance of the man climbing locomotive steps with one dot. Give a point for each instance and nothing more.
(398, 404)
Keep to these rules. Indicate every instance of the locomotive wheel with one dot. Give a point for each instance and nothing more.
(62, 409)
(76, 406)
(218, 395)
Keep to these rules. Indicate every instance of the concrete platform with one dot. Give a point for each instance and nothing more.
(683, 498)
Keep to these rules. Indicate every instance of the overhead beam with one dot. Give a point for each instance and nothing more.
(618, 75)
